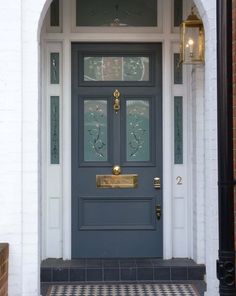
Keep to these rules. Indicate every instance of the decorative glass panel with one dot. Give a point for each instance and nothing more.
(106, 13)
(54, 67)
(178, 12)
(55, 137)
(116, 68)
(137, 130)
(178, 130)
(178, 69)
(95, 130)
(54, 14)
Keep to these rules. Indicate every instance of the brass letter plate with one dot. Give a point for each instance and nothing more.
(117, 181)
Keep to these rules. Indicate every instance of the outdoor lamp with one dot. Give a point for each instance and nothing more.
(192, 47)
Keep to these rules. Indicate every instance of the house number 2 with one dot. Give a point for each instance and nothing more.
(179, 180)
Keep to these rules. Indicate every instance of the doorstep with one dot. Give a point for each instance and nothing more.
(120, 270)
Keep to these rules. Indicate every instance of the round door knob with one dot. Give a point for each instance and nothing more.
(116, 170)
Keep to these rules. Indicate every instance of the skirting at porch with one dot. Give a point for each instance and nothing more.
(128, 269)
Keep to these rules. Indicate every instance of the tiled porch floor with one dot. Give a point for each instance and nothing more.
(134, 289)
(187, 288)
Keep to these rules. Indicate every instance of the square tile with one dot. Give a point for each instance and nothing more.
(196, 273)
(162, 273)
(94, 274)
(127, 263)
(94, 263)
(128, 274)
(78, 263)
(144, 274)
(179, 273)
(60, 274)
(77, 274)
(46, 275)
(111, 274)
(144, 263)
(110, 263)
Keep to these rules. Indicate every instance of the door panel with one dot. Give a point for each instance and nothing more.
(116, 222)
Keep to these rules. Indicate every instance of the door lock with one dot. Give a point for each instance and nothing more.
(157, 183)
(158, 212)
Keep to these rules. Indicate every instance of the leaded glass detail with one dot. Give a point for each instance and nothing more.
(178, 69)
(178, 130)
(54, 13)
(54, 129)
(95, 130)
(178, 12)
(137, 130)
(128, 68)
(54, 68)
(141, 13)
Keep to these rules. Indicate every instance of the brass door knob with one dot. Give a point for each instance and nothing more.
(116, 170)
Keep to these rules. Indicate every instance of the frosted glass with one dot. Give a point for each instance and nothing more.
(178, 130)
(95, 130)
(54, 130)
(137, 130)
(116, 68)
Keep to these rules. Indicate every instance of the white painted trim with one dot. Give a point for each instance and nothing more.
(66, 171)
(58, 29)
(167, 145)
(52, 181)
(181, 235)
(167, 38)
(190, 180)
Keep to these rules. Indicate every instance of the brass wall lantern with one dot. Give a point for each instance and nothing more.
(192, 40)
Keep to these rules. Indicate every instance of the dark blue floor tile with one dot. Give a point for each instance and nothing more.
(77, 274)
(144, 263)
(110, 263)
(128, 274)
(111, 274)
(60, 274)
(162, 273)
(94, 263)
(145, 274)
(127, 263)
(196, 273)
(78, 263)
(46, 275)
(179, 273)
(94, 274)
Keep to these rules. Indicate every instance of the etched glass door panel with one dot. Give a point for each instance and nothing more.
(137, 130)
(95, 130)
(111, 68)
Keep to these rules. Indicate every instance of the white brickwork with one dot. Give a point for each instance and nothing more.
(198, 163)
(20, 24)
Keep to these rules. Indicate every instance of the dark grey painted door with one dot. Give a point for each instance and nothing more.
(116, 222)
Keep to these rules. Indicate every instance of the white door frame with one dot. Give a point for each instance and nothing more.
(169, 39)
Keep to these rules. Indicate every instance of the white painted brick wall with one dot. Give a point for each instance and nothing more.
(10, 138)
(198, 163)
(19, 141)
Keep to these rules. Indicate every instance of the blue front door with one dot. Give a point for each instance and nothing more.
(116, 122)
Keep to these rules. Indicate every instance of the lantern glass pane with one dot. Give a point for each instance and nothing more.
(191, 45)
